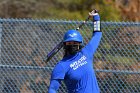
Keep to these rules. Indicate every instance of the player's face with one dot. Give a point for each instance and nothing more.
(72, 47)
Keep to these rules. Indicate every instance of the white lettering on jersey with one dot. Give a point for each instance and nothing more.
(78, 63)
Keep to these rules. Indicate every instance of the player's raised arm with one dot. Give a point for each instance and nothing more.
(97, 34)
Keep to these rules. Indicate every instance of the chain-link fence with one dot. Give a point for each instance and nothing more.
(24, 43)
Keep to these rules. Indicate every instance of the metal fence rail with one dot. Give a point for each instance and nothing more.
(24, 43)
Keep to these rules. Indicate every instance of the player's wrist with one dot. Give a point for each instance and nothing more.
(96, 17)
(96, 22)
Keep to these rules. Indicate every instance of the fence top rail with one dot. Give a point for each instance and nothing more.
(65, 21)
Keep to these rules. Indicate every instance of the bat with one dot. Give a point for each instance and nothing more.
(54, 51)
(60, 45)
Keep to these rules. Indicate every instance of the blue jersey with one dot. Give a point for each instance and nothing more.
(77, 70)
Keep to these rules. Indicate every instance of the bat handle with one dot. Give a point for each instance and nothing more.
(83, 23)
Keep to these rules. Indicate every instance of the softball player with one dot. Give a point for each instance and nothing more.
(76, 67)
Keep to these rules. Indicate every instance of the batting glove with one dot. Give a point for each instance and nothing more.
(95, 15)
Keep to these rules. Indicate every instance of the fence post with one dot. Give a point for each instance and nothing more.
(0, 40)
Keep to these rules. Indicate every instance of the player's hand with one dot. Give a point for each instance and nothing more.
(93, 13)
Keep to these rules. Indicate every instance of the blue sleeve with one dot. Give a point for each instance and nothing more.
(58, 72)
(54, 86)
(93, 44)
